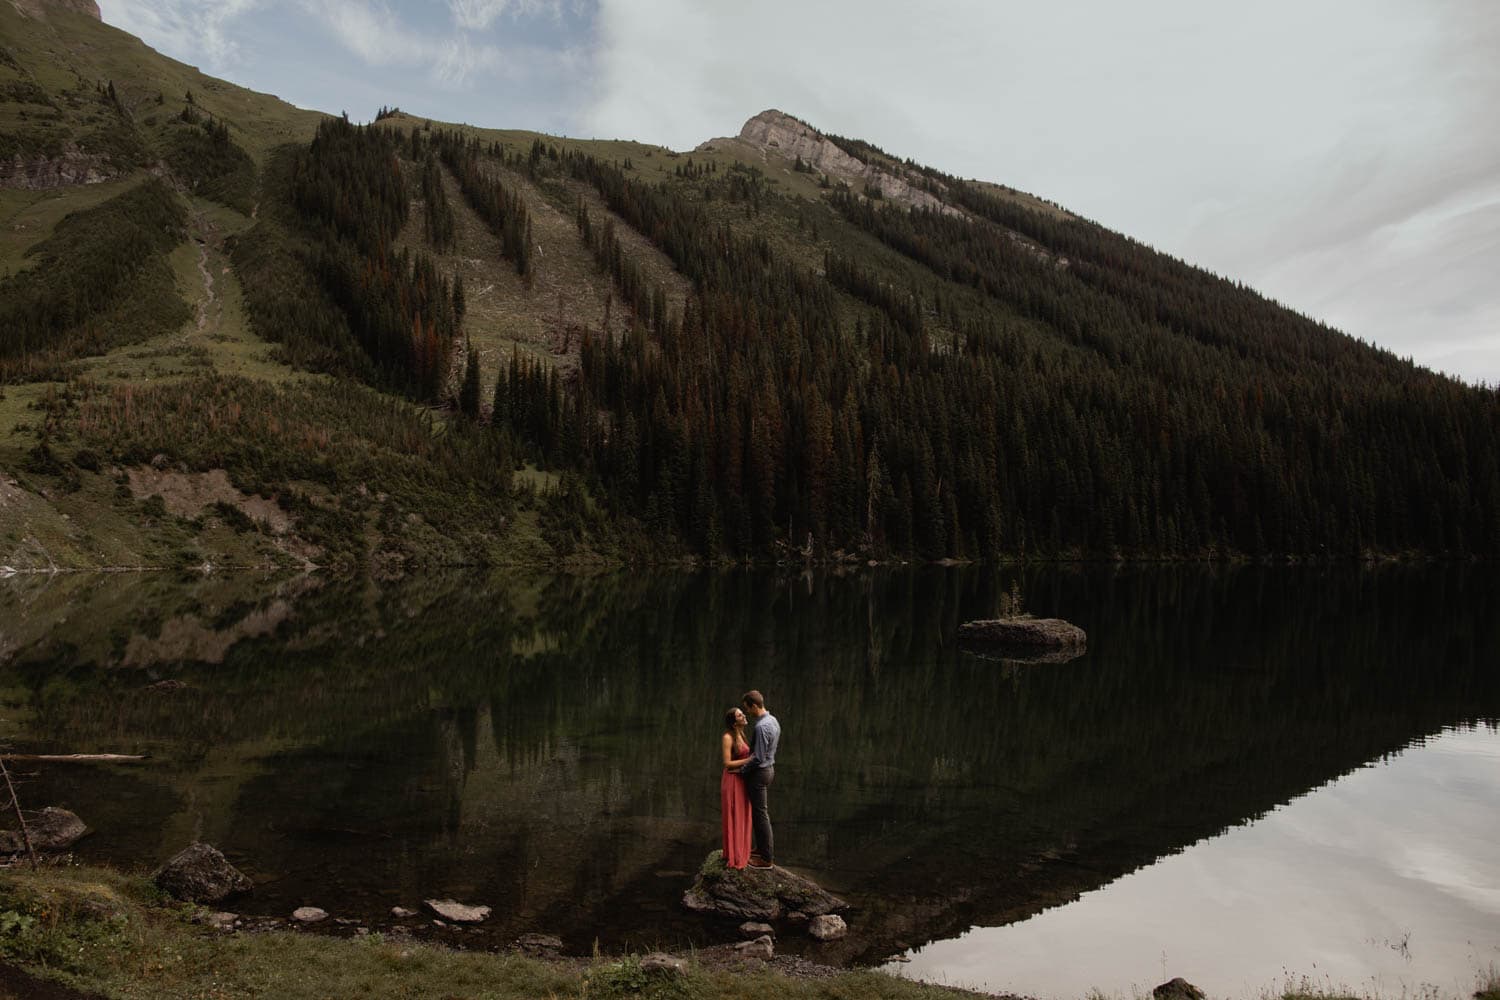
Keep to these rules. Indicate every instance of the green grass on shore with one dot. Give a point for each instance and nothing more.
(92, 931)
(97, 930)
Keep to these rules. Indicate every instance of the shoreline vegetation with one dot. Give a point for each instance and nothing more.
(91, 931)
(80, 932)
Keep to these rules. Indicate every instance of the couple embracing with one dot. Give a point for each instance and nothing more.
(749, 768)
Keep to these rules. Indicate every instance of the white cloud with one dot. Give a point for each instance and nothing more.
(381, 38)
(191, 30)
(478, 15)
(452, 55)
(530, 72)
(373, 33)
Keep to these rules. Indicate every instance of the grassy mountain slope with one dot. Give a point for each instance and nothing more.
(90, 400)
(569, 289)
(543, 347)
(57, 58)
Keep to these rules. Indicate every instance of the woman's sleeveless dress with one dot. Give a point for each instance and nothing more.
(735, 802)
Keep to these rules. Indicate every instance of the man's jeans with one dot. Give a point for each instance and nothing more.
(761, 840)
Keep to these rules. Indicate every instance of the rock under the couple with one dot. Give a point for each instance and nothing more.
(757, 894)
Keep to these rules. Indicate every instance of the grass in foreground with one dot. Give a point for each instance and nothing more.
(1489, 984)
(98, 930)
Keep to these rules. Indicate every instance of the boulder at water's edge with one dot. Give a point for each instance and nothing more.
(200, 874)
(458, 913)
(756, 893)
(828, 927)
(52, 829)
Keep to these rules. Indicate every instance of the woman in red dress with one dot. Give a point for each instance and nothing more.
(733, 798)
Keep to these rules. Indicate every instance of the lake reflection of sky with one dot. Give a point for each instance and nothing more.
(1383, 881)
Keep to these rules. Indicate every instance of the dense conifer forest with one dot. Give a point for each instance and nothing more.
(1097, 398)
(100, 279)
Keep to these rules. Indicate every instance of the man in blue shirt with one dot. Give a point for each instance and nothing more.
(759, 771)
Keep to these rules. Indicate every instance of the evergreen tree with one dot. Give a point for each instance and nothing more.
(468, 396)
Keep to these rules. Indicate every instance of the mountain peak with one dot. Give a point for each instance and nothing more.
(777, 133)
(790, 136)
(772, 118)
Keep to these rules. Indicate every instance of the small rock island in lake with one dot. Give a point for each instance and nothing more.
(1025, 639)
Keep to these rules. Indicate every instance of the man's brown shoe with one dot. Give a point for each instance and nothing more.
(756, 861)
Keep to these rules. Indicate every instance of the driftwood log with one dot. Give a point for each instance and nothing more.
(74, 758)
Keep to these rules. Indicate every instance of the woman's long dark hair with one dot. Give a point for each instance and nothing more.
(730, 721)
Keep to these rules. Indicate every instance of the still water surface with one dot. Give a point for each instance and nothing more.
(1385, 882)
(547, 746)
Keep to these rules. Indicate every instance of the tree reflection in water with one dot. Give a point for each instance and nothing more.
(547, 746)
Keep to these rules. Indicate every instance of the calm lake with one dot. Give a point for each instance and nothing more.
(1252, 774)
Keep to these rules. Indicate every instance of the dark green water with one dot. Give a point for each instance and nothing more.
(548, 746)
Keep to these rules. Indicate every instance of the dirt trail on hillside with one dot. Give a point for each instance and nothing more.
(208, 287)
(210, 309)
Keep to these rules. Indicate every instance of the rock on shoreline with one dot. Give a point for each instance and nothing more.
(200, 874)
(51, 829)
(456, 912)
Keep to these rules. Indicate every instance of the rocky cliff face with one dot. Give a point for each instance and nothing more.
(777, 133)
(35, 173)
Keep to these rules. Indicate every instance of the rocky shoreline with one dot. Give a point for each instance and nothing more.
(766, 904)
(116, 934)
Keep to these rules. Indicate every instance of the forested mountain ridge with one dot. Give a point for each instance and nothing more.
(260, 333)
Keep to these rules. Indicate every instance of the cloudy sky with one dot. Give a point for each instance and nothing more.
(1341, 156)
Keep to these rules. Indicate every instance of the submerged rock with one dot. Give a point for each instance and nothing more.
(1023, 631)
(309, 914)
(456, 912)
(200, 874)
(756, 894)
(52, 829)
(761, 948)
(401, 912)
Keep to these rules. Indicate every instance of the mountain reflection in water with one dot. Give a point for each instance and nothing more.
(548, 746)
